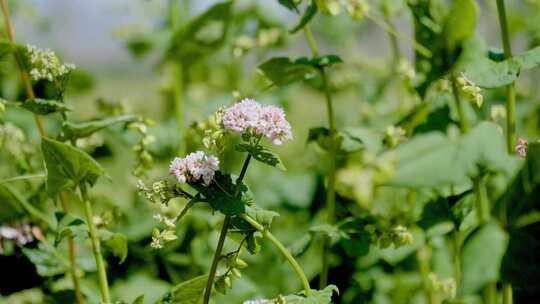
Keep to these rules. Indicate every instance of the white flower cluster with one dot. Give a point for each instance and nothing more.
(193, 167)
(248, 116)
(46, 65)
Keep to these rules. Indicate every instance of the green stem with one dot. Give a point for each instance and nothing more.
(394, 44)
(330, 192)
(457, 259)
(294, 264)
(223, 235)
(507, 293)
(422, 257)
(331, 183)
(96, 247)
(215, 261)
(510, 89)
(482, 204)
(490, 293)
(464, 123)
(72, 255)
(178, 100)
(311, 41)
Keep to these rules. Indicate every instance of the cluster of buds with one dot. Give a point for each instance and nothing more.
(166, 234)
(159, 238)
(406, 70)
(521, 147)
(194, 167)
(444, 287)
(20, 234)
(265, 37)
(46, 65)
(497, 112)
(253, 121)
(212, 132)
(143, 158)
(358, 182)
(471, 91)
(394, 135)
(397, 235)
(160, 192)
(355, 8)
(234, 264)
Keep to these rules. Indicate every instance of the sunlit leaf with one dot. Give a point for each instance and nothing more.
(67, 166)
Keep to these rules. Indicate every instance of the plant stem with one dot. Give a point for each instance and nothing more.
(464, 124)
(24, 75)
(507, 293)
(294, 264)
(482, 204)
(223, 235)
(422, 257)
(311, 41)
(331, 183)
(72, 255)
(394, 44)
(457, 258)
(490, 293)
(43, 133)
(96, 247)
(510, 89)
(215, 261)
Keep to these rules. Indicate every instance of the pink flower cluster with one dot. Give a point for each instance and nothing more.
(521, 147)
(193, 167)
(250, 116)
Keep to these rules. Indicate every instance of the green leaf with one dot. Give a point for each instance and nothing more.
(323, 296)
(433, 160)
(69, 226)
(45, 260)
(328, 231)
(289, 4)
(283, 71)
(348, 141)
(73, 131)
(202, 36)
(14, 204)
(115, 242)
(10, 208)
(264, 217)
(188, 292)
(139, 300)
(41, 106)
(67, 166)
(310, 12)
(487, 73)
(261, 154)
(460, 22)
(479, 268)
(220, 194)
(139, 46)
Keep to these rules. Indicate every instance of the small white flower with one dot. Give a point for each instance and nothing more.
(46, 65)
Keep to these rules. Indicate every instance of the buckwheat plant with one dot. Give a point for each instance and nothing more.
(198, 178)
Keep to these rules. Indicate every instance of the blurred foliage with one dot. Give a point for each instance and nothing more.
(407, 228)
